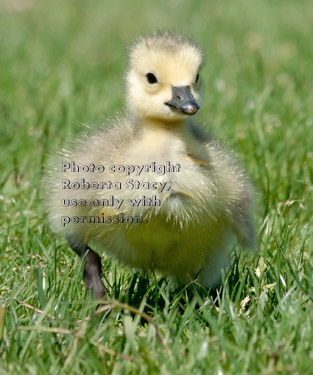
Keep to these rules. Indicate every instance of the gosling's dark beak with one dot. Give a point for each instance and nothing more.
(183, 101)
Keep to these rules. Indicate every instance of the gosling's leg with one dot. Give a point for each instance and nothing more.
(92, 273)
(92, 267)
(211, 272)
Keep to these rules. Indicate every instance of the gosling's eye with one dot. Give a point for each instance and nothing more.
(197, 78)
(151, 78)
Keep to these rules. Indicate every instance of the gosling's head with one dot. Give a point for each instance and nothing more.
(163, 77)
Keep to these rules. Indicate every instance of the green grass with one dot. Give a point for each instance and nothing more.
(61, 65)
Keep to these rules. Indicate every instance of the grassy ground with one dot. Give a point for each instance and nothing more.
(61, 65)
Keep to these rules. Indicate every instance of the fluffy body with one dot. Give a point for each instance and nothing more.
(209, 203)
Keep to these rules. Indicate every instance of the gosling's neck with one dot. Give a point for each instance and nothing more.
(162, 124)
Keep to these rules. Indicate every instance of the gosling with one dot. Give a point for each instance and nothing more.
(181, 213)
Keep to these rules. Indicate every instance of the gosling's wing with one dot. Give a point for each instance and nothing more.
(103, 147)
(236, 191)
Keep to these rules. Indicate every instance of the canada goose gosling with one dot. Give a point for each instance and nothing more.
(188, 230)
